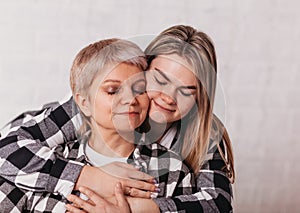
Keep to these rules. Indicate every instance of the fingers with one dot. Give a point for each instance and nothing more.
(126, 165)
(126, 190)
(141, 185)
(73, 209)
(138, 175)
(77, 201)
(95, 198)
(121, 201)
(140, 193)
(133, 192)
(123, 170)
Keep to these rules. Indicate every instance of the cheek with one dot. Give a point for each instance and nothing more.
(103, 104)
(152, 94)
(102, 112)
(153, 89)
(143, 102)
(186, 106)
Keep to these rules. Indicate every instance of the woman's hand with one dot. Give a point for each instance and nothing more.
(97, 204)
(103, 180)
(142, 205)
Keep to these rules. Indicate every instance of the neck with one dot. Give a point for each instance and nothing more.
(158, 130)
(111, 143)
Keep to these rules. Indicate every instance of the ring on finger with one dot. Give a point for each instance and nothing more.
(129, 191)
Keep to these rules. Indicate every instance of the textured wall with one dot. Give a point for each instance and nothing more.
(258, 57)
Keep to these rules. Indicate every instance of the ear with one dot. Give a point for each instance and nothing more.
(84, 104)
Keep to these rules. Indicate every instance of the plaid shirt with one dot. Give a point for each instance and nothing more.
(41, 170)
(174, 177)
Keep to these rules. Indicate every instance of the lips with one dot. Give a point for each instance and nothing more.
(128, 113)
(163, 108)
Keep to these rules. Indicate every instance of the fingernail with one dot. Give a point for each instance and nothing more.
(154, 181)
(157, 189)
(137, 166)
(70, 198)
(153, 195)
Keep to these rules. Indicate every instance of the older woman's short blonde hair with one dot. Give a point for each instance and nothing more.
(94, 57)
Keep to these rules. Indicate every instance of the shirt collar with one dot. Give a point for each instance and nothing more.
(169, 136)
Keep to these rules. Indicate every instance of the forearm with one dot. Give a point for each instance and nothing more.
(213, 195)
(63, 176)
(27, 157)
(194, 203)
(39, 168)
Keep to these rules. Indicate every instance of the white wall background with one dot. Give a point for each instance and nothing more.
(257, 44)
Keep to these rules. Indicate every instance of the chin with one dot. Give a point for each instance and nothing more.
(125, 129)
(158, 118)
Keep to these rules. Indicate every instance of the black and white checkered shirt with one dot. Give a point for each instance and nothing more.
(173, 177)
(28, 159)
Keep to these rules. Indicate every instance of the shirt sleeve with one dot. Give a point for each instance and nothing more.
(27, 152)
(173, 176)
(12, 199)
(213, 194)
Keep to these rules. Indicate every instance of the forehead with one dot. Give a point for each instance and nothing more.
(175, 68)
(122, 72)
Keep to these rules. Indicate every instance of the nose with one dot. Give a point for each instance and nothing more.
(169, 95)
(128, 98)
(168, 99)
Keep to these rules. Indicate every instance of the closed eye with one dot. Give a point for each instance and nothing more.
(139, 92)
(113, 91)
(139, 87)
(160, 82)
(185, 93)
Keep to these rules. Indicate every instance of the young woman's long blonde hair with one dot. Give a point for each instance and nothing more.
(197, 49)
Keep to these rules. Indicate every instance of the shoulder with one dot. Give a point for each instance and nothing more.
(55, 111)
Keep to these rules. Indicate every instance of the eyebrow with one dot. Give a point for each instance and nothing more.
(118, 81)
(188, 87)
(139, 80)
(111, 80)
(163, 75)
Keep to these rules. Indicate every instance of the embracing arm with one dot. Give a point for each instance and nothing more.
(27, 152)
(116, 204)
(213, 195)
(210, 198)
(214, 192)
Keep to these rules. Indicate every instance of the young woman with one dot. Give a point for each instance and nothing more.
(181, 84)
(109, 87)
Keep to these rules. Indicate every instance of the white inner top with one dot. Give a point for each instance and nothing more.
(97, 159)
